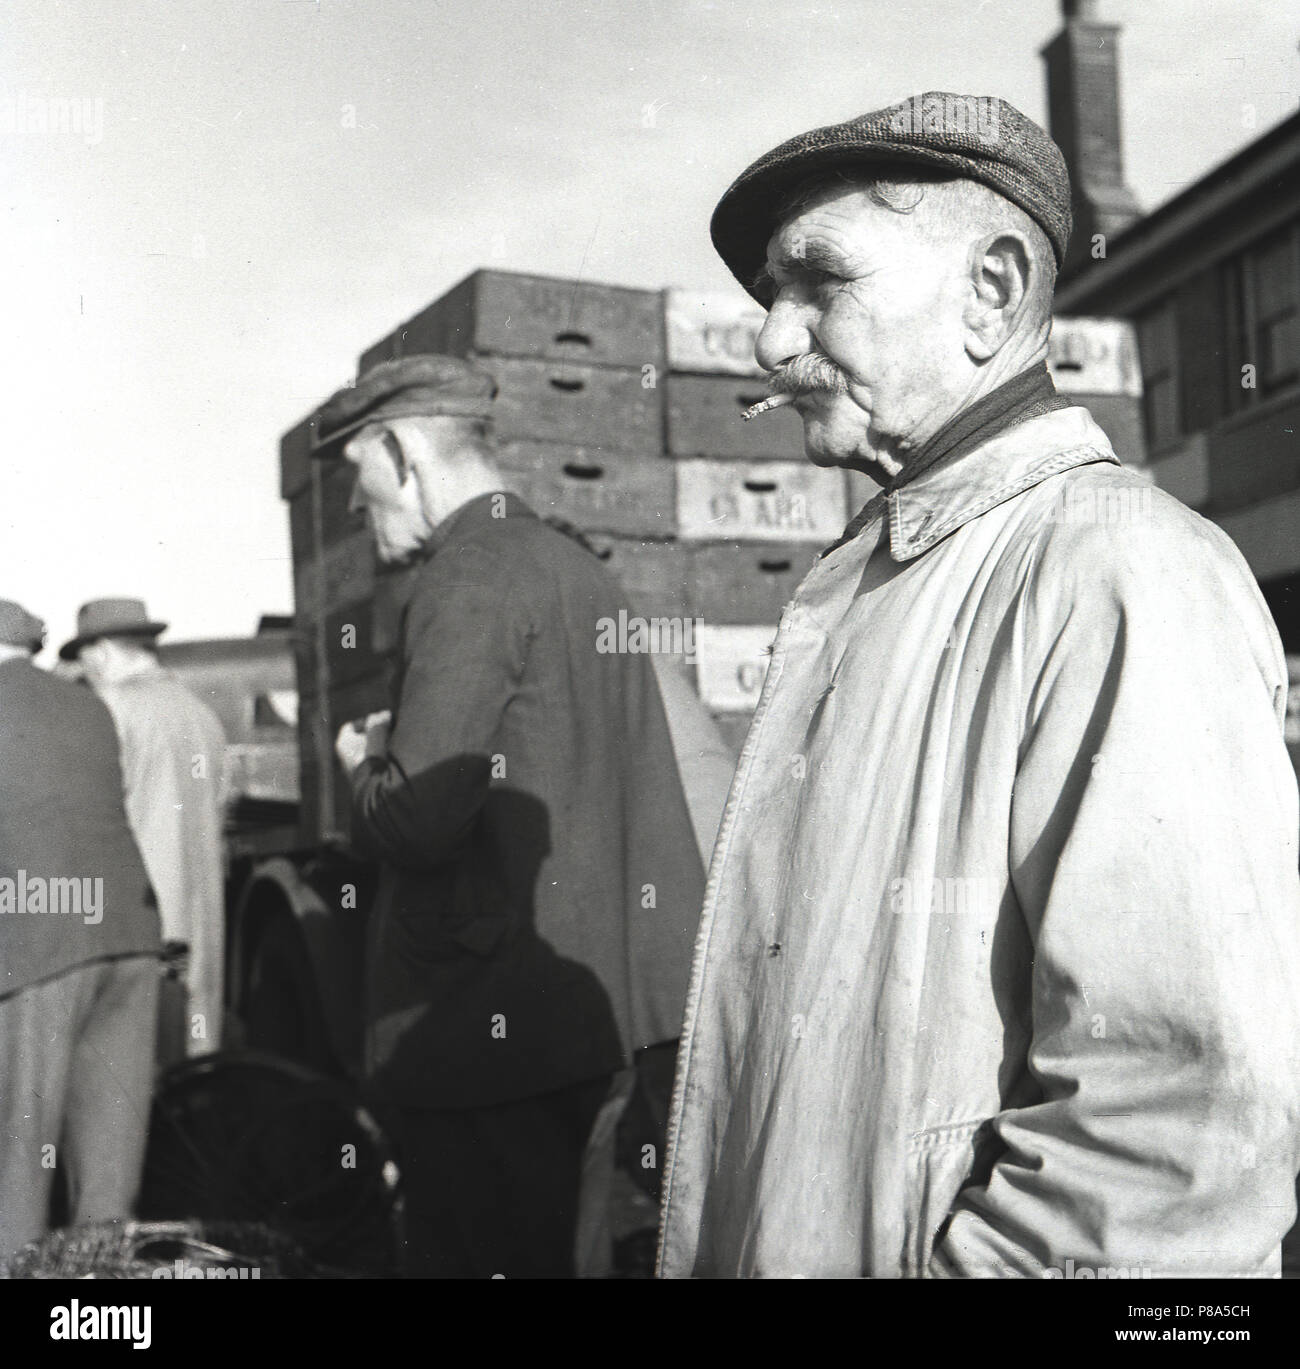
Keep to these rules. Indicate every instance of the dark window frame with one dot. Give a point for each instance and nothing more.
(1159, 371)
(1253, 307)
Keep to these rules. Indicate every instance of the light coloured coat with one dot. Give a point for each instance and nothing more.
(174, 772)
(999, 967)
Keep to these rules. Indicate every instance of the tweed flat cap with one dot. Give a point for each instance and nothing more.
(424, 384)
(976, 136)
(20, 628)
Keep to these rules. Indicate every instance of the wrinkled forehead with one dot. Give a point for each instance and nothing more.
(842, 214)
(833, 222)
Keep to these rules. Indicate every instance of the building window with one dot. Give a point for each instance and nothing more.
(1157, 336)
(1262, 288)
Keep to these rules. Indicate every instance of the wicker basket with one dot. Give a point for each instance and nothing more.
(156, 1250)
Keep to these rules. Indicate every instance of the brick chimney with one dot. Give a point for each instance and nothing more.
(1083, 116)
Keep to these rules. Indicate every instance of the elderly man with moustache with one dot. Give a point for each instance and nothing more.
(999, 970)
(540, 882)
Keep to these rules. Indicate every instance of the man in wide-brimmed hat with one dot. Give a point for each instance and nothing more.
(999, 971)
(173, 761)
(78, 951)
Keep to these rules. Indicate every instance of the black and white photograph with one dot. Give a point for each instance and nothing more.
(650, 641)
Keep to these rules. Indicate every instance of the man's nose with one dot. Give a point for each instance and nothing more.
(356, 500)
(787, 332)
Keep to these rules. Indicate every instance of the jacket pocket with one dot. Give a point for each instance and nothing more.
(941, 1161)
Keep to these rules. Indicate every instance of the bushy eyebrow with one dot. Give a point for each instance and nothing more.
(817, 255)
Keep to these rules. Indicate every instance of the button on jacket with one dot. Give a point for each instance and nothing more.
(1000, 959)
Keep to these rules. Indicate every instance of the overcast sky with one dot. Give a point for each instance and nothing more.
(260, 188)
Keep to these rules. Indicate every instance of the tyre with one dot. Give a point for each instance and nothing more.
(282, 1008)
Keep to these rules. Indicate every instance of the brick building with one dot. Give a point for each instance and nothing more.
(1211, 282)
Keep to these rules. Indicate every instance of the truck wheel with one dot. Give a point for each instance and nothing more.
(282, 1011)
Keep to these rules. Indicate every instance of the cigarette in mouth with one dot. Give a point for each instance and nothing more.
(772, 402)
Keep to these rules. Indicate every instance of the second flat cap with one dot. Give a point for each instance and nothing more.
(425, 383)
(979, 137)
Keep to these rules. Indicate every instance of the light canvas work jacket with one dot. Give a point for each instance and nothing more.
(999, 964)
(174, 771)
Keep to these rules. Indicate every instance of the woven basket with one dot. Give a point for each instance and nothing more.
(150, 1250)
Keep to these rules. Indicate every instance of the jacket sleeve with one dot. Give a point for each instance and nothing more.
(465, 644)
(1153, 853)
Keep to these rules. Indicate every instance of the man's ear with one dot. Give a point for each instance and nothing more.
(412, 446)
(419, 454)
(395, 444)
(1000, 268)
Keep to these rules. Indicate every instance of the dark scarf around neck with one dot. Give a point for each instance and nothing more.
(1028, 395)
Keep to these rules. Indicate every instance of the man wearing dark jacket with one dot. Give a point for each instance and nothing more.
(79, 943)
(540, 878)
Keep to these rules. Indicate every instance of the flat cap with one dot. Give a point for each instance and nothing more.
(424, 383)
(979, 137)
(20, 628)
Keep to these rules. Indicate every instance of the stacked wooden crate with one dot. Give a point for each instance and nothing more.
(579, 424)
(619, 411)
(752, 513)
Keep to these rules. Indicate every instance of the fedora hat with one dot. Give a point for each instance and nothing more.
(110, 618)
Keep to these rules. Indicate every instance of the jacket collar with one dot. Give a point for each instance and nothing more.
(947, 496)
(478, 512)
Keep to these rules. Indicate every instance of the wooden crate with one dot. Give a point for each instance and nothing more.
(756, 501)
(339, 574)
(731, 664)
(712, 332)
(595, 490)
(746, 584)
(295, 457)
(725, 583)
(584, 406)
(505, 313)
(656, 576)
(704, 419)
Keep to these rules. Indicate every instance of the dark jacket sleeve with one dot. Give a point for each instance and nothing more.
(466, 641)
